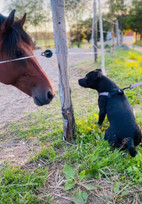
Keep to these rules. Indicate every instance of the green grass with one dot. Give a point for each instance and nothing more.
(84, 45)
(18, 185)
(50, 44)
(139, 43)
(45, 44)
(88, 168)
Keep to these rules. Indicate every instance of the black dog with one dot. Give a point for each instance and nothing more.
(123, 132)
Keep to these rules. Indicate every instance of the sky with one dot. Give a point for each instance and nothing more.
(2, 7)
(5, 13)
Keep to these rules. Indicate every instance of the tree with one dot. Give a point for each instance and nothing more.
(33, 8)
(75, 10)
(117, 11)
(81, 30)
(76, 33)
(134, 18)
(87, 28)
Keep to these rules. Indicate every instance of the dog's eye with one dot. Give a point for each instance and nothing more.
(88, 78)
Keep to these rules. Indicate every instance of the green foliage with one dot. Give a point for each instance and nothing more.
(69, 185)
(19, 186)
(33, 8)
(80, 197)
(69, 172)
(139, 43)
(82, 30)
(45, 154)
(135, 16)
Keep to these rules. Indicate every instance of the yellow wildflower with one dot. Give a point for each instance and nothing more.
(96, 115)
(88, 128)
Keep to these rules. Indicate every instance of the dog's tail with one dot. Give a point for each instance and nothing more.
(131, 147)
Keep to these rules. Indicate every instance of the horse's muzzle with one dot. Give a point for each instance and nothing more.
(39, 100)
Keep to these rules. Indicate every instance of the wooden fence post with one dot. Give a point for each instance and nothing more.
(102, 38)
(62, 55)
(112, 25)
(94, 30)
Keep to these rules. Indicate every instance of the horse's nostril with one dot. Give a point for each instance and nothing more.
(49, 95)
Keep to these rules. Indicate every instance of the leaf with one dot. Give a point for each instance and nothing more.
(69, 185)
(82, 175)
(69, 172)
(91, 172)
(97, 137)
(125, 193)
(80, 197)
(89, 187)
(116, 187)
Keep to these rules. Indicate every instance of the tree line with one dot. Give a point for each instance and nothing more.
(79, 16)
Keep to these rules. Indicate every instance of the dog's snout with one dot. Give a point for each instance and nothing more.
(82, 82)
(79, 81)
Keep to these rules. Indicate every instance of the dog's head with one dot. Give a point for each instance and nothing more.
(91, 79)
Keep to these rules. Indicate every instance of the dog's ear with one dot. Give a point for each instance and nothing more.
(99, 70)
(98, 73)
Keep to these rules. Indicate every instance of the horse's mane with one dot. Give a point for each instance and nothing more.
(2, 18)
(12, 37)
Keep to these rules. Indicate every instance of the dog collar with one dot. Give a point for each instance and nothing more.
(112, 93)
(104, 94)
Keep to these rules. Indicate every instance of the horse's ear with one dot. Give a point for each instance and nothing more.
(7, 24)
(10, 20)
(22, 20)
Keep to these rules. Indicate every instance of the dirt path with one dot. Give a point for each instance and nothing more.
(14, 104)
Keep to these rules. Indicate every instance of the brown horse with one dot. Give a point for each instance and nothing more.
(26, 74)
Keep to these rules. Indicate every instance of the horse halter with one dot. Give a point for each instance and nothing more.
(46, 53)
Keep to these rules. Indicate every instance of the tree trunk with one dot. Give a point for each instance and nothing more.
(61, 51)
(117, 33)
(78, 40)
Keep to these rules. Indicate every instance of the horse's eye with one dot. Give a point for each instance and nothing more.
(19, 53)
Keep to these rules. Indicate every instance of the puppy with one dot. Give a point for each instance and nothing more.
(123, 131)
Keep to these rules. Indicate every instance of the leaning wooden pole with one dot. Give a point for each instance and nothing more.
(62, 56)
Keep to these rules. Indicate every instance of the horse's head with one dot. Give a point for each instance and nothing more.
(27, 75)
